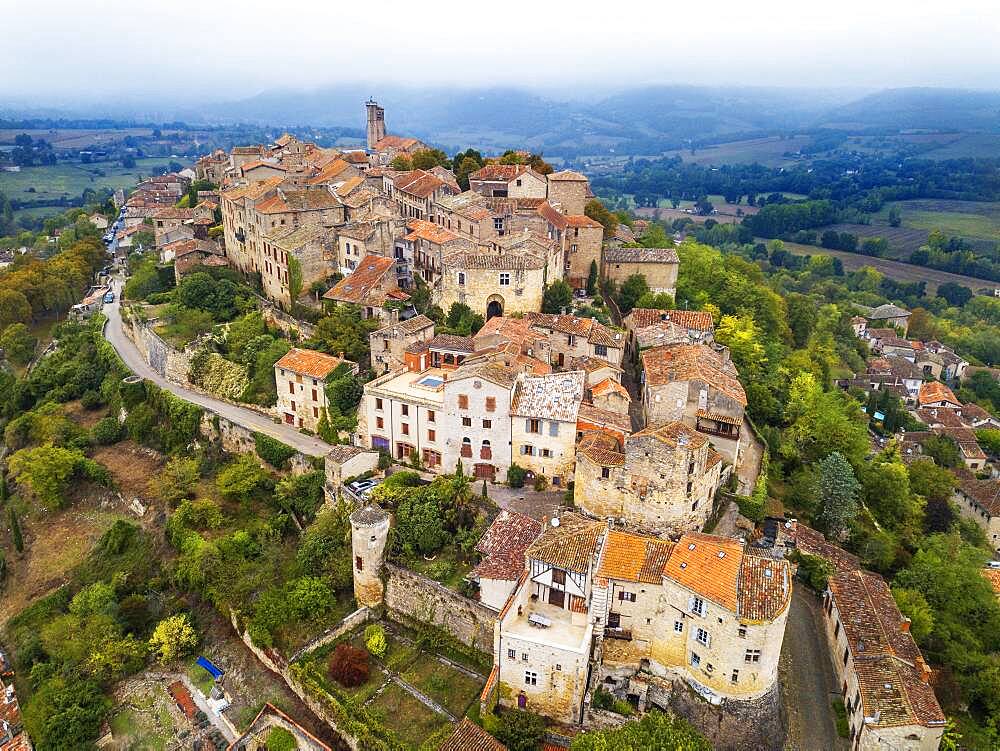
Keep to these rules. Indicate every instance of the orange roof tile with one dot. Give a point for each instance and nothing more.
(608, 386)
(309, 362)
(468, 736)
(935, 391)
(634, 558)
(329, 172)
(699, 320)
(357, 287)
(421, 229)
(687, 362)
(707, 565)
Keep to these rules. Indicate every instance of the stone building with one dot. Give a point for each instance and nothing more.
(502, 549)
(699, 385)
(301, 377)
(195, 255)
(416, 191)
(649, 327)
(705, 609)
(658, 265)
(476, 420)
(580, 238)
(934, 394)
(572, 337)
(662, 479)
(311, 248)
(491, 283)
(369, 534)
(342, 462)
(469, 215)
(979, 500)
(570, 190)
(508, 180)
(402, 413)
(888, 315)
(427, 244)
(609, 394)
(883, 677)
(389, 343)
(544, 412)
(372, 285)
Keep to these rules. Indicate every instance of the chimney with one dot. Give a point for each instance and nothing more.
(340, 355)
(924, 670)
(904, 625)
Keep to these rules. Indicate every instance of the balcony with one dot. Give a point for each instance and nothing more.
(622, 634)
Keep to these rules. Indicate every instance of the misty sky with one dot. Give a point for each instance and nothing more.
(65, 49)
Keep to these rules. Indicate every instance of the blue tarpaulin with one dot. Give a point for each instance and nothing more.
(210, 667)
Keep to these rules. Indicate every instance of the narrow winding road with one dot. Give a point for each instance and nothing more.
(248, 418)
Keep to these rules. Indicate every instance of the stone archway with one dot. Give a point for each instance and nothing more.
(494, 306)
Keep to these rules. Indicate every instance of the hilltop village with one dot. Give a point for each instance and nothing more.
(607, 550)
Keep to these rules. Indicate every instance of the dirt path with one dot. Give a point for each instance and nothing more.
(808, 683)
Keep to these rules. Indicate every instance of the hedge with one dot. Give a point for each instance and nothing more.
(272, 451)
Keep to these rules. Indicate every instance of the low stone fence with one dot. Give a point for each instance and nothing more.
(170, 363)
(238, 439)
(424, 600)
(350, 622)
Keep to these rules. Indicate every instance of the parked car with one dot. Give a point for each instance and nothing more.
(110, 297)
(359, 486)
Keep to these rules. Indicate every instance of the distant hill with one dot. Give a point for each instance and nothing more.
(920, 108)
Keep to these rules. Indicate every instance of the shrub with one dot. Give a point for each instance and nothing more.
(516, 729)
(608, 701)
(541, 483)
(280, 739)
(90, 400)
(375, 640)
(106, 431)
(349, 666)
(516, 476)
(813, 570)
(271, 450)
(173, 637)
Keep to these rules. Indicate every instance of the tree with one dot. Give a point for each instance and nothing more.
(516, 729)
(173, 637)
(401, 162)
(654, 730)
(15, 530)
(989, 440)
(740, 334)
(241, 478)
(46, 471)
(600, 214)
(65, 713)
(954, 294)
(837, 492)
(18, 343)
(703, 206)
(914, 606)
(822, 422)
(943, 450)
(426, 159)
(557, 298)
(348, 665)
(345, 330)
(375, 640)
(14, 308)
(177, 480)
(894, 217)
(631, 292)
(592, 279)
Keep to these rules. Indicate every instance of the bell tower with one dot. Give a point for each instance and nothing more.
(376, 123)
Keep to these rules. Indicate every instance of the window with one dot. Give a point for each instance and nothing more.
(698, 606)
(530, 678)
(379, 423)
(404, 410)
(679, 627)
(518, 182)
(358, 563)
(695, 659)
(405, 428)
(751, 655)
(430, 415)
(378, 404)
(315, 399)
(546, 454)
(512, 654)
(431, 435)
(626, 596)
(291, 387)
(601, 350)
(524, 656)
(701, 635)
(463, 401)
(315, 411)
(553, 428)
(570, 339)
(558, 667)
(491, 404)
(461, 277)
(742, 631)
(487, 424)
(847, 654)
(505, 280)
(528, 450)
(605, 473)
(466, 422)
(735, 677)
(533, 426)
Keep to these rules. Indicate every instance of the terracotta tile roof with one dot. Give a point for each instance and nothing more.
(552, 215)
(314, 199)
(296, 237)
(594, 330)
(634, 558)
(494, 261)
(172, 212)
(556, 396)
(714, 457)
(348, 186)
(503, 544)
(418, 182)
(604, 418)
(342, 452)
(357, 287)
(984, 492)
(468, 736)
(699, 320)
(811, 542)
(935, 391)
(409, 326)
(514, 329)
(469, 204)
(183, 248)
(709, 566)
(607, 386)
(395, 142)
(602, 449)
(675, 434)
(719, 417)
(567, 175)
(329, 172)
(247, 166)
(947, 418)
(581, 221)
(356, 157)
(421, 229)
(284, 139)
(494, 370)
(505, 172)
(765, 588)
(992, 575)
(309, 362)
(641, 255)
(592, 364)
(452, 343)
(689, 362)
(571, 545)
(10, 718)
(890, 669)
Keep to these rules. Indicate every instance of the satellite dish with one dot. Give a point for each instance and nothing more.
(555, 521)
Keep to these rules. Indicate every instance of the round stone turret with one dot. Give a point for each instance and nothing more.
(369, 534)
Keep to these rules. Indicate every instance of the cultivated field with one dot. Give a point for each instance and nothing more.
(767, 151)
(80, 138)
(904, 272)
(902, 240)
(974, 219)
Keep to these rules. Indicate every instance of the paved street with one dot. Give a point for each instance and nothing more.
(246, 417)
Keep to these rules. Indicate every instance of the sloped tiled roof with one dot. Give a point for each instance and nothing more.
(685, 362)
(503, 544)
(992, 575)
(409, 326)
(595, 331)
(357, 287)
(699, 320)
(329, 172)
(309, 362)
(641, 255)
(556, 396)
(497, 171)
(420, 229)
(675, 434)
(602, 449)
(984, 492)
(935, 391)
(707, 565)
(591, 415)
(634, 558)
(418, 182)
(566, 175)
(494, 261)
(468, 736)
(395, 142)
(765, 588)
(608, 386)
(571, 545)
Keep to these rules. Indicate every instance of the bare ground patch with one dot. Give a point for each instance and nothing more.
(131, 465)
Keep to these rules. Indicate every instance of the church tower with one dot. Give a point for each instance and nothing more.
(376, 123)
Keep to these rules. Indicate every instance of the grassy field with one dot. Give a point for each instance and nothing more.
(76, 138)
(898, 270)
(902, 240)
(972, 219)
(408, 719)
(450, 688)
(766, 151)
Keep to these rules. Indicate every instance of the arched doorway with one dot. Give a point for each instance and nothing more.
(494, 307)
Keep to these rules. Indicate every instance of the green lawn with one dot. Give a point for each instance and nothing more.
(200, 677)
(965, 218)
(446, 568)
(450, 688)
(409, 720)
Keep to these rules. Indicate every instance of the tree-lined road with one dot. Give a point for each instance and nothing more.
(248, 418)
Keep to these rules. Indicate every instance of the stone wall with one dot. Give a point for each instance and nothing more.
(237, 439)
(170, 363)
(427, 601)
(734, 725)
(279, 319)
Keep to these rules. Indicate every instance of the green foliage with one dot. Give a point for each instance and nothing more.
(632, 290)
(516, 729)
(271, 450)
(279, 739)
(294, 278)
(516, 476)
(222, 298)
(64, 713)
(177, 480)
(813, 570)
(146, 278)
(837, 492)
(241, 478)
(375, 641)
(592, 277)
(302, 494)
(600, 214)
(914, 606)
(46, 471)
(344, 330)
(461, 321)
(610, 702)
(840, 717)
(15, 530)
(18, 343)
(324, 549)
(823, 422)
(654, 730)
(219, 376)
(557, 298)
(989, 440)
(943, 450)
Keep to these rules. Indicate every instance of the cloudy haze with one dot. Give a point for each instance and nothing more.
(232, 49)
